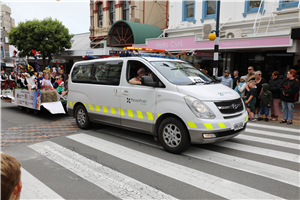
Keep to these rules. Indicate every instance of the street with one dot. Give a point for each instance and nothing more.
(61, 161)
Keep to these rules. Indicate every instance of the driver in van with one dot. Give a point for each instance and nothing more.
(140, 73)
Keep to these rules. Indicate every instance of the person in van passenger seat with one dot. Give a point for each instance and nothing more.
(137, 80)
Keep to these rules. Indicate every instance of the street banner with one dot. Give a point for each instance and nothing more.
(29, 99)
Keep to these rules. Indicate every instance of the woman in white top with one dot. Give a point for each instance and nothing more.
(46, 82)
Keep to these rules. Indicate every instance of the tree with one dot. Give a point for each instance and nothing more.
(47, 36)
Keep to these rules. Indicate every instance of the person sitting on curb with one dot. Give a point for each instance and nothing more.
(225, 79)
(11, 184)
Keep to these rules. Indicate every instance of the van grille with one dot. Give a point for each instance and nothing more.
(230, 107)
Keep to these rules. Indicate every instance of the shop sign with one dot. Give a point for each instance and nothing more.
(190, 43)
(203, 54)
(111, 52)
(89, 52)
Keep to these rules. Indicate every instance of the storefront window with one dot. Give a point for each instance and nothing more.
(112, 12)
(209, 9)
(100, 10)
(253, 7)
(125, 10)
(188, 12)
(287, 4)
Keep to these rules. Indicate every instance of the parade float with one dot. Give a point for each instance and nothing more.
(35, 98)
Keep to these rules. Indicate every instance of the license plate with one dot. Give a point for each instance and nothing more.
(238, 126)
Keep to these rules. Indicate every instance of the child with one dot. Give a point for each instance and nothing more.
(11, 184)
(250, 100)
(46, 82)
(265, 102)
(61, 90)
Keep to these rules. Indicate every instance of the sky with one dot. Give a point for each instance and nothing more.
(74, 14)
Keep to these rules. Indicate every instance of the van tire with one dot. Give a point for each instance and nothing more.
(82, 118)
(173, 135)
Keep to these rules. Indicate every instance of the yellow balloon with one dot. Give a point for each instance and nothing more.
(212, 36)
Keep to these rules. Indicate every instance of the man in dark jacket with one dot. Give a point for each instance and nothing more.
(274, 84)
(235, 78)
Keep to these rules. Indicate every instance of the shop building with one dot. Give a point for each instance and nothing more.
(116, 23)
(263, 34)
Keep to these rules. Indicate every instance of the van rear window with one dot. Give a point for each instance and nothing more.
(82, 73)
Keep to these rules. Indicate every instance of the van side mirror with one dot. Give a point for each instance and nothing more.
(148, 81)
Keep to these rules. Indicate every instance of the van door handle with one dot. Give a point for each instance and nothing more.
(115, 92)
(125, 92)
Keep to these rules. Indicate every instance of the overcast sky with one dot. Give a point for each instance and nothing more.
(74, 14)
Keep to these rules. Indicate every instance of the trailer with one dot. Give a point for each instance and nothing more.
(37, 100)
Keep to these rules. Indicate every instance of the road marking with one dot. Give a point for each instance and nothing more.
(274, 127)
(117, 184)
(260, 151)
(34, 188)
(204, 181)
(270, 133)
(269, 141)
(288, 176)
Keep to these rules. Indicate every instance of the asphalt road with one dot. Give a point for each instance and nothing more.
(110, 163)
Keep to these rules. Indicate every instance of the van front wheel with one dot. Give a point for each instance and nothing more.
(173, 135)
(82, 118)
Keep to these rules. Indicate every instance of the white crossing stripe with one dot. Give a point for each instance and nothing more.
(284, 175)
(270, 133)
(119, 185)
(269, 141)
(204, 181)
(257, 125)
(260, 151)
(34, 188)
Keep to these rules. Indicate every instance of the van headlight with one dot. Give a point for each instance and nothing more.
(199, 108)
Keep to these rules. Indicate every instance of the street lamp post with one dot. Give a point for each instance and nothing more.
(214, 36)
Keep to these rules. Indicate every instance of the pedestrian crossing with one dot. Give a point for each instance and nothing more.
(225, 170)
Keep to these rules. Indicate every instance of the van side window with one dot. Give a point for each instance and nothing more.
(82, 73)
(108, 73)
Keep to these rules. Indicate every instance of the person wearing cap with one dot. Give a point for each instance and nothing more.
(30, 81)
(61, 90)
(241, 86)
(137, 80)
(225, 79)
(12, 80)
(4, 80)
(21, 81)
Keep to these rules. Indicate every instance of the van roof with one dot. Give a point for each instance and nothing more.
(126, 58)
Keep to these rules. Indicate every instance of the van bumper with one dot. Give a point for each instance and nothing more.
(222, 129)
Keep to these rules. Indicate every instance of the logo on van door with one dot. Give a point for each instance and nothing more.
(141, 101)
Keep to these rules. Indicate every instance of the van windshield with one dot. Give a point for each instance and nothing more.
(181, 73)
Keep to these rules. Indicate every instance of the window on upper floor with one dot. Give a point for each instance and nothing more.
(125, 8)
(112, 16)
(100, 12)
(253, 7)
(288, 4)
(188, 11)
(209, 9)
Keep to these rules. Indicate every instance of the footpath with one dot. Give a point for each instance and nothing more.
(296, 118)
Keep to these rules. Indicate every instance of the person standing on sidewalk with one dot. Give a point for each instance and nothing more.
(225, 79)
(235, 78)
(265, 102)
(289, 95)
(274, 84)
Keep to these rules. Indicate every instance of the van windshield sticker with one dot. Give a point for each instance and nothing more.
(140, 101)
(223, 93)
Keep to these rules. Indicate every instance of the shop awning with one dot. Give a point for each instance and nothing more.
(126, 33)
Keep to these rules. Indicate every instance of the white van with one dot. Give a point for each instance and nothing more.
(178, 104)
